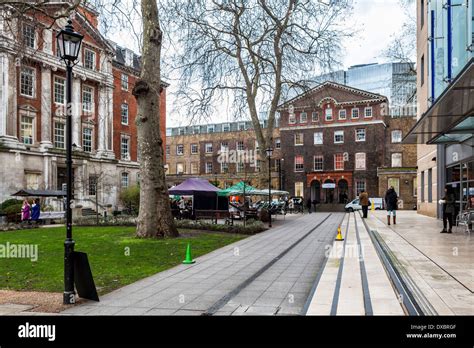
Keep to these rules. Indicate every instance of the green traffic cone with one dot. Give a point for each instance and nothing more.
(189, 259)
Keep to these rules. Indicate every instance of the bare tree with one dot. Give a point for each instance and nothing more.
(252, 52)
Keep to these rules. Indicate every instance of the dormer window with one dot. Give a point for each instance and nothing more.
(124, 82)
(89, 59)
(29, 35)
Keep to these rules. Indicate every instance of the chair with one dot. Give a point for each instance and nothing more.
(466, 219)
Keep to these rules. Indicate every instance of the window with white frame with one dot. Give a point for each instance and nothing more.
(87, 98)
(27, 129)
(240, 146)
(168, 149)
(396, 160)
(277, 143)
(395, 182)
(342, 114)
(124, 113)
(59, 135)
(208, 167)
(196, 129)
(292, 118)
(226, 127)
(210, 128)
(180, 149)
(169, 132)
(29, 35)
(125, 147)
(338, 137)
(179, 168)
(208, 147)
(194, 149)
(355, 113)
(318, 163)
(27, 82)
(124, 82)
(89, 59)
(318, 138)
(299, 139)
(303, 117)
(181, 131)
(224, 146)
(224, 167)
(124, 180)
(328, 114)
(396, 136)
(339, 161)
(415, 187)
(360, 161)
(242, 126)
(315, 116)
(368, 112)
(32, 181)
(194, 168)
(299, 163)
(59, 90)
(360, 134)
(87, 139)
(299, 189)
(93, 185)
(360, 186)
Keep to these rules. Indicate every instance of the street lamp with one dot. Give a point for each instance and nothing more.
(69, 45)
(280, 173)
(269, 152)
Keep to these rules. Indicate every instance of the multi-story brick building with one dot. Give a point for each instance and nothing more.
(32, 120)
(194, 151)
(334, 138)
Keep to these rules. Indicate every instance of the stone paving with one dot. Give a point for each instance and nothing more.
(266, 274)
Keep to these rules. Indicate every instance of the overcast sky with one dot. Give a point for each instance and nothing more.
(375, 21)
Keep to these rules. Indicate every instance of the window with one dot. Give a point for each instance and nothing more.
(124, 114)
(208, 167)
(368, 112)
(89, 59)
(169, 132)
(242, 126)
(360, 134)
(124, 82)
(318, 138)
(226, 127)
(396, 160)
(422, 70)
(197, 129)
(224, 146)
(210, 128)
(258, 165)
(87, 98)
(360, 186)
(395, 182)
(125, 147)
(87, 139)
(194, 149)
(292, 119)
(240, 167)
(27, 82)
(299, 139)
(181, 131)
(315, 116)
(422, 186)
(342, 114)
(355, 113)
(338, 137)
(224, 167)
(278, 165)
(415, 187)
(59, 90)
(430, 185)
(124, 180)
(208, 147)
(318, 163)
(240, 146)
(396, 136)
(32, 181)
(299, 163)
(180, 150)
(59, 135)
(27, 130)
(168, 149)
(299, 189)
(194, 168)
(338, 161)
(303, 117)
(277, 143)
(93, 185)
(179, 168)
(328, 114)
(360, 161)
(28, 33)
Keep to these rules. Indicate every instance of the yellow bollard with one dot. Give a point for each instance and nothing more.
(372, 208)
(339, 235)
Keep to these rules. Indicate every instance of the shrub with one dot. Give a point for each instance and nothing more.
(8, 203)
(130, 198)
(119, 220)
(253, 227)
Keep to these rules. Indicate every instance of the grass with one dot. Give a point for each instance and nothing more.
(106, 248)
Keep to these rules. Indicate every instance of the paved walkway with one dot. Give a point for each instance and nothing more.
(270, 273)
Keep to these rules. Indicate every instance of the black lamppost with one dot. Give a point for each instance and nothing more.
(280, 174)
(269, 152)
(69, 45)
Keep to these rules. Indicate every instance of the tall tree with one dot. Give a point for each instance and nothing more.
(253, 52)
(155, 218)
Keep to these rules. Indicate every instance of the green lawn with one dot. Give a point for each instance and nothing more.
(106, 248)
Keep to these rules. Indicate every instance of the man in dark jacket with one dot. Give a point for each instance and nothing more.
(449, 208)
(391, 202)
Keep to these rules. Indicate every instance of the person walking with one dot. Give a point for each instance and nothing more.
(25, 211)
(449, 208)
(391, 202)
(364, 202)
(35, 211)
(309, 203)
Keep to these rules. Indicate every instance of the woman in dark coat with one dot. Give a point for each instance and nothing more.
(449, 208)
(391, 202)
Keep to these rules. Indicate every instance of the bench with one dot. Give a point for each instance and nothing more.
(215, 215)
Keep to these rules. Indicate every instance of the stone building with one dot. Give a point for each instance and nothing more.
(32, 119)
(195, 151)
(337, 140)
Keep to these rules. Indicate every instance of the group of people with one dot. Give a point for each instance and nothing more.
(30, 212)
(391, 204)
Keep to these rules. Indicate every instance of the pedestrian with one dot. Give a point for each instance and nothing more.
(308, 205)
(364, 202)
(391, 202)
(35, 211)
(315, 202)
(449, 208)
(25, 211)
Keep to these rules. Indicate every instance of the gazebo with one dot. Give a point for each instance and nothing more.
(205, 195)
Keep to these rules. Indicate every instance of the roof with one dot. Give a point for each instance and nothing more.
(193, 186)
(40, 193)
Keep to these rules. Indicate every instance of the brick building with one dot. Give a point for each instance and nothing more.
(32, 120)
(334, 138)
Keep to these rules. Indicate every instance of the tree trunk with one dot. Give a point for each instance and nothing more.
(154, 218)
